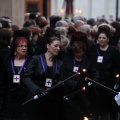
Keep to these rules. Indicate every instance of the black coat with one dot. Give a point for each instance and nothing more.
(78, 103)
(12, 94)
(107, 72)
(34, 78)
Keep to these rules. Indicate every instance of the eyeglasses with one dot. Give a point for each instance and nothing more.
(22, 46)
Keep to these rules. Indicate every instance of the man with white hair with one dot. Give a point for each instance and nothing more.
(85, 28)
(78, 17)
(78, 24)
(61, 23)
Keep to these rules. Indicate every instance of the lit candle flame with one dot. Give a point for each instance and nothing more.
(84, 70)
(78, 73)
(83, 88)
(117, 75)
(85, 118)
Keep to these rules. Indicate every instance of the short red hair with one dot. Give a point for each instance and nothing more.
(20, 39)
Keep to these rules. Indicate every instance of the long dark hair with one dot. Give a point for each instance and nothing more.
(50, 35)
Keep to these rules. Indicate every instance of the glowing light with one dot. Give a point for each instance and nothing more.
(78, 11)
(84, 70)
(83, 88)
(78, 73)
(85, 118)
(62, 11)
(86, 78)
(117, 75)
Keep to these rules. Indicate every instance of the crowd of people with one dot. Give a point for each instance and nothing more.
(44, 66)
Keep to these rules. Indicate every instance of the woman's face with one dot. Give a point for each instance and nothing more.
(79, 54)
(21, 48)
(54, 47)
(103, 40)
(45, 28)
(35, 38)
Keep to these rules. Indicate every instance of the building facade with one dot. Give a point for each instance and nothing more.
(16, 9)
(88, 8)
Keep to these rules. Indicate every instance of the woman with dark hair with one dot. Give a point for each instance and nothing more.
(12, 90)
(107, 62)
(116, 36)
(53, 20)
(43, 72)
(5, 38)
(78, 104)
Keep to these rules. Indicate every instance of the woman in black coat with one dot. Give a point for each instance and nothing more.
(12, 89)
(43, 72)
(107, 62)
(77, 105)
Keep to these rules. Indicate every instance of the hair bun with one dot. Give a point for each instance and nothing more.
(50, 32)
(78, 36)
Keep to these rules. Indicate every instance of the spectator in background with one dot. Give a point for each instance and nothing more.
(36, 32)
(91, 22)
(111, 19)
(61, 23)
(62, 30)
(64, 42)
(14, 28)
(5, 24)
(26, 17)
(71, 30)
(102, 20)
(39, 19)
(32, 16)
(43, 25)
(78, 24)
(6, 18)
(28, 23)
(116, 35)
(64, 45)
(53, 20)
(78, 17)
(92, 36)
(5, 38)
(85, 29)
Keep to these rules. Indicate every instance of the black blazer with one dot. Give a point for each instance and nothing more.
(12, 94)
(35, 76)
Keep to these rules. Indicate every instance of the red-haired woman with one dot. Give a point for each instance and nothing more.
(13, 92)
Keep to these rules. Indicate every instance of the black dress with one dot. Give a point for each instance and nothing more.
(12, 94)
(108, 68)
(34, 78)
(78, 104)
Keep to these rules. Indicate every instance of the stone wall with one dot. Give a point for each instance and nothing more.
(14, 9)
